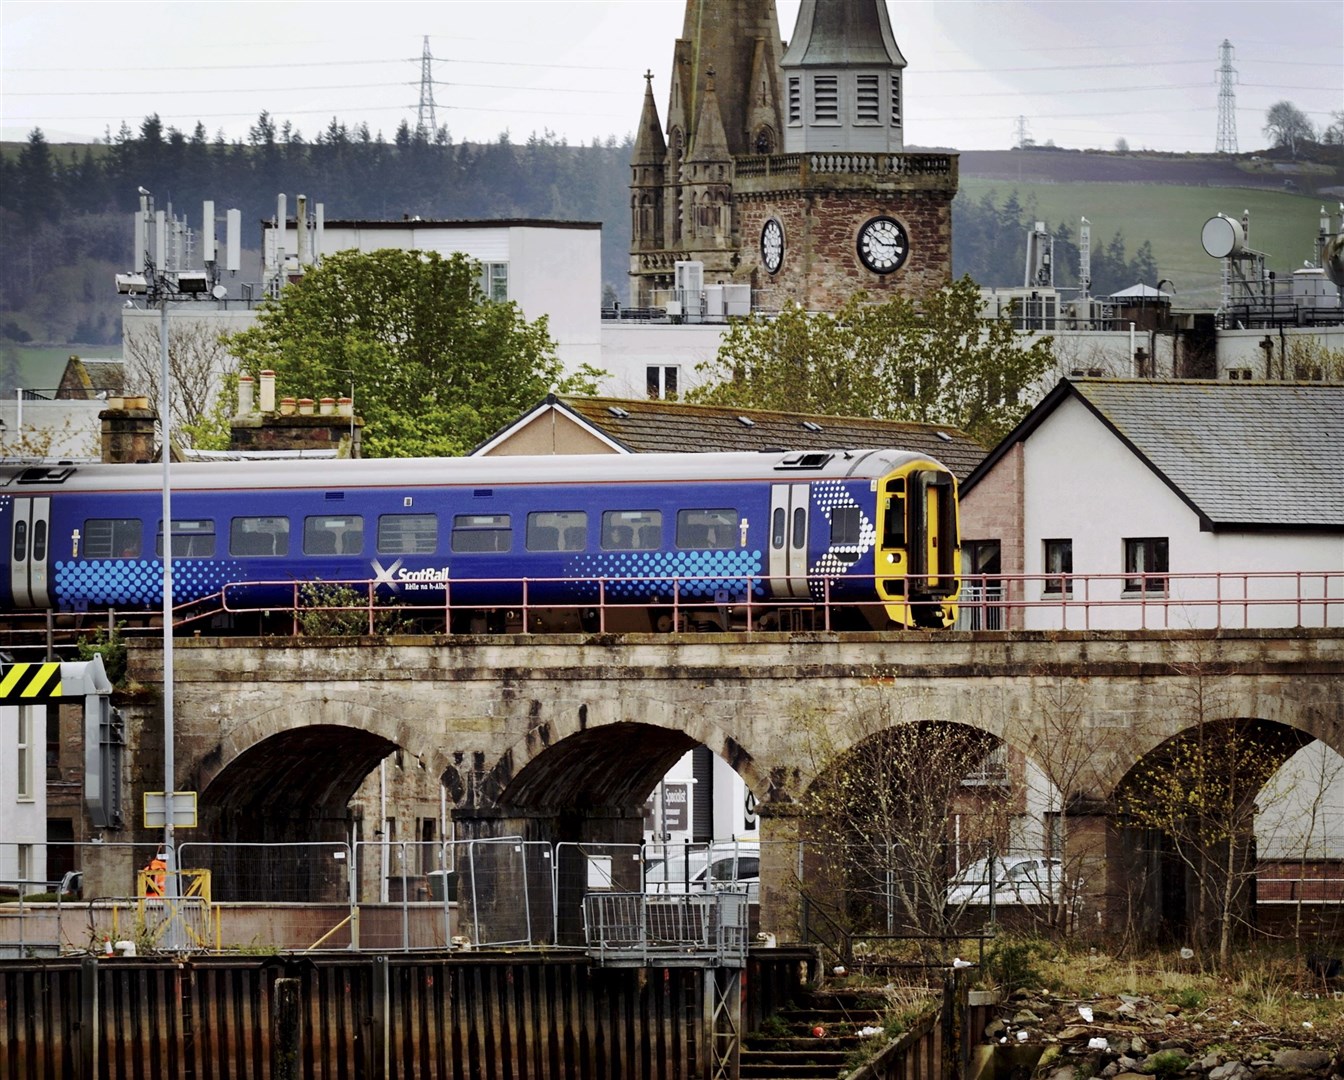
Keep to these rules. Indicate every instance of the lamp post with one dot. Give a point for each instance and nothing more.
(155, 286)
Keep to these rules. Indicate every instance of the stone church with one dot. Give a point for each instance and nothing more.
(783, 166)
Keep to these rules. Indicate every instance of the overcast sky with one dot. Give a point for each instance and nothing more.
(1081, 74)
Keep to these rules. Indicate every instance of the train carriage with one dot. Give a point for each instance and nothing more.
(648, 537)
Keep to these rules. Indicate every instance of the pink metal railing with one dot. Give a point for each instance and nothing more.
(1260, 599)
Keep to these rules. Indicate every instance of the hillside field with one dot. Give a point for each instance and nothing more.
(1170, 217)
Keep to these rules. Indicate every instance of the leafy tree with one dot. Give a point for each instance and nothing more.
(436, 366)
(1287, 125)
(1333, 135)
(932, 362)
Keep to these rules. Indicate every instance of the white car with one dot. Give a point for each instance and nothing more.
(1017, 879)
(723, 867)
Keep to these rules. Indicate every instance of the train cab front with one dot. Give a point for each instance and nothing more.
(918, 547)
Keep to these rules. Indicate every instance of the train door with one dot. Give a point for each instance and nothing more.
(29, 544)
(788, 540)
(916, 561)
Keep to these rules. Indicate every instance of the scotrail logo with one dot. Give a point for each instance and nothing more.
(398, 579)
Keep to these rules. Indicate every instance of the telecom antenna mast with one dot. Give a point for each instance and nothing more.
(1227, 101)
(426, 125)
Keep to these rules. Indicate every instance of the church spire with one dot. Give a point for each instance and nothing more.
(650, 147)
(711, 142)
(722, 36)
(843, 73)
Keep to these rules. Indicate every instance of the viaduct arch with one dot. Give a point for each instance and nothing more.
(552, 735)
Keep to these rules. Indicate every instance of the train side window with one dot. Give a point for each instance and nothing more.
(707, 530)
(193, 538)
(327, 534)
(632, 530)
(482, 532)
(846, 533)
(259, 536)
(408, 534)
(112, 538)
(557, 530)
(20, 541)
(39, 540)
(778, 521)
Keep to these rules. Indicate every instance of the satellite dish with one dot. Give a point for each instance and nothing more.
(1332, 258)
(219, 292)
(1222, 237)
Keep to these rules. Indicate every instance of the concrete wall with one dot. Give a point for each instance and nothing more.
(23, 821)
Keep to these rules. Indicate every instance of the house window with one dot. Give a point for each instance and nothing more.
(826, 99)
(1145, 556)
(24, 791)
(494, 281)
(1242, 373)
(1058, 560)
(867, 103)
(982, 599)
(795, 100)
(662, 382)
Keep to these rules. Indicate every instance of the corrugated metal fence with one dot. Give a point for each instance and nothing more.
(213, 1018)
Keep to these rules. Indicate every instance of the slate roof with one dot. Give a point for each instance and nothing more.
(658, 427)
(1240, 454)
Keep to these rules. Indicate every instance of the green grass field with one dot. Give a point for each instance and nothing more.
(1283, 225)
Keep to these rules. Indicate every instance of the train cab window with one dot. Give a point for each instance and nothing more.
(193, 538)
(557, 530)
(259, 536)
(632, 530)
(333, 534)
(408, 534)
(707, 530)
(893, 527)
(846, 533)
(482, 532)
(113, 538)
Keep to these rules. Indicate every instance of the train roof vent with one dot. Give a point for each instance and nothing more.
(46, 475)
(804, 461)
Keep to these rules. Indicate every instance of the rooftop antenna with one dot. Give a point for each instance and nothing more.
(1227, 101)
(426, 125)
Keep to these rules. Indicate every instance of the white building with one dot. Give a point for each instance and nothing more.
(23, 798)
(1144, 495)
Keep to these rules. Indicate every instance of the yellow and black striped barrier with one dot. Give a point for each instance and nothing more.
(24, 683)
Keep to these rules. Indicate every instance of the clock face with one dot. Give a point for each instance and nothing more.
(772, 245)
(883, 245)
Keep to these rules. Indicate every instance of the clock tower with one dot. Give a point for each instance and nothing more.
(800, 184)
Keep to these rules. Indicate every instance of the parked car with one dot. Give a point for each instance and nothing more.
(1017, 879)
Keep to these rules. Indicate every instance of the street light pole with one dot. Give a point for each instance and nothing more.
(172, 890)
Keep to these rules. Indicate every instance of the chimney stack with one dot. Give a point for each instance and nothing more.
(246, 395)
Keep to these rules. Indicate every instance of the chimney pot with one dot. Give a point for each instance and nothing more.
(306, 406)
(247, 389)
(287, 406)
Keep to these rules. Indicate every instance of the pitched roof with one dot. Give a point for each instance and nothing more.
(658, 427)
(1240, 454)
(843, 33)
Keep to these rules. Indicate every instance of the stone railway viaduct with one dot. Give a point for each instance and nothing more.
(562, 737)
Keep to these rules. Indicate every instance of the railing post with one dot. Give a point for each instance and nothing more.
(525, 630)
(601, 605)
(90, 1022)
(286, 1030)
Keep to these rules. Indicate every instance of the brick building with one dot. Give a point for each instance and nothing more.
(785, 169)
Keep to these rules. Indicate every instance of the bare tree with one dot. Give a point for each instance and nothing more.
(203, 376)
(884, 809)
(1287, 126)
(1198, 791)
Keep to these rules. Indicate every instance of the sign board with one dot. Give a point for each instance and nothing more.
(676, 807)
(184, 810)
